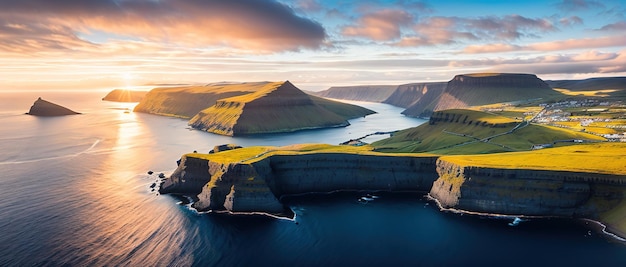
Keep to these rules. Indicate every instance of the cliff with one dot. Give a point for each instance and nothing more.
(253, 179)
(582, 181)
(122, 95)
(44, 108)
(489, 88)
(423, 103)
(368, 93)
(407, 95)
(275, 107)
(585, 181)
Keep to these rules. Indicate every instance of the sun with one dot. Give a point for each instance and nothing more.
(127, 77)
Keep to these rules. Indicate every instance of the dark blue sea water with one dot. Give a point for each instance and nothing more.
(74, 191)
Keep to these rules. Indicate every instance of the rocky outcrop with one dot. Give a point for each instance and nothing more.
(44, 108)
(123, 95)
(258, 186)
(277, 107)
(526, 192)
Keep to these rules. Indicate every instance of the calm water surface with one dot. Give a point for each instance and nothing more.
(74, 191)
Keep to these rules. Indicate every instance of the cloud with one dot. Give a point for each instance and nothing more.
(449, 30)
(618, 27)
(570, 21)
(579, 5)
(245, 24)
(606, 41)
(382, 25)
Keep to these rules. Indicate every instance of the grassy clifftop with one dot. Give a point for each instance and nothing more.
(607, 158)
(459, 131)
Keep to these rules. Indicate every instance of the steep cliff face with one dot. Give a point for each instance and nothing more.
(257, 186)
(408, 95)
(278, 107)
(489, 88)
(369, 93)
(122, 95)
(526, 192)
(47, 109)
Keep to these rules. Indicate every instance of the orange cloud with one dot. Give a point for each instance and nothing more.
(383, 25)
(246, 24)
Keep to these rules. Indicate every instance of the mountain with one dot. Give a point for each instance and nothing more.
(275, 107)
(44, 108)
(368, 93)
(123, 95)
(490, 88)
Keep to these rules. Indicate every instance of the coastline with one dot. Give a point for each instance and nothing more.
(606, 229)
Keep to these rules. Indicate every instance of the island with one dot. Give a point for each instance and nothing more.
(578, 175)
(124, 95)
(249, 108)
(48, 109)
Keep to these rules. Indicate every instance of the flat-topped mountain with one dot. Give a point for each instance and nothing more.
(123, 95)
(368, 93)
(275, 107)
(45, 108)
(489, 88)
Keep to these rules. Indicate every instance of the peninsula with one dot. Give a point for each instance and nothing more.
(123, 95)
(572, 179)
(48, 109)
(249, 108)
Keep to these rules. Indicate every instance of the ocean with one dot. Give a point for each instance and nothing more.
(74, 191)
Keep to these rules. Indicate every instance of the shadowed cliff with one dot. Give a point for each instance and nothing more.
(122, 95)
(275, 107)
(44, 108)
(368, 93)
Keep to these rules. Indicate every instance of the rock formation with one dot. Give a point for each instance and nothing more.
(258, 186)
(44, 108)
(276, 107)
(123, 95)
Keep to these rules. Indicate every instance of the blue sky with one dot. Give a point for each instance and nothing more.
(96, 44)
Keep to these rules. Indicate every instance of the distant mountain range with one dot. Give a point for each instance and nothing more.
(466, 90)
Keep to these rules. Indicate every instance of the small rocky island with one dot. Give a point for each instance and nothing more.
(48, 109)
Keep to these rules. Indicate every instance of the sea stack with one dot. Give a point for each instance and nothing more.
(45, 108)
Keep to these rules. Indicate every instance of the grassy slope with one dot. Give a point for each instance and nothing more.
(434, 139)
(276, 107)
(609, 158)
(187, 101)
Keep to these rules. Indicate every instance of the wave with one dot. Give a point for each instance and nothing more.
(88, 150)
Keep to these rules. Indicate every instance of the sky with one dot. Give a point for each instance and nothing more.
(315, 44)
